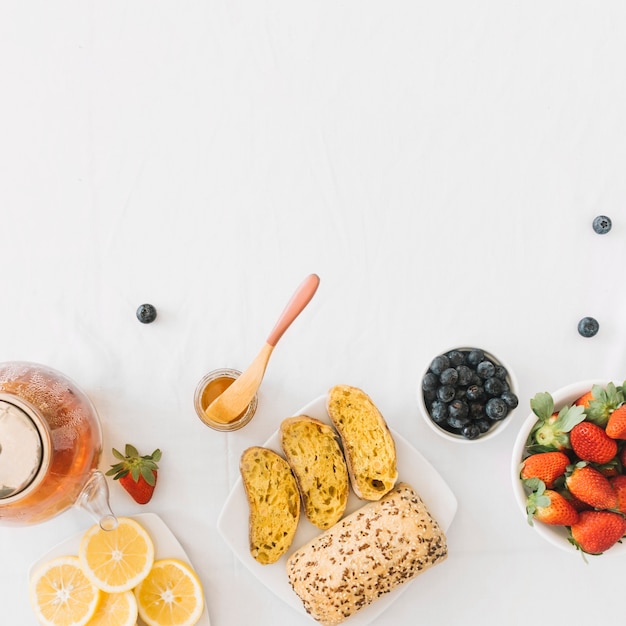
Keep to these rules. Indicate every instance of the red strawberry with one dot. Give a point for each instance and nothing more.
(622, 456)
(546, 466)
(616, 426)
(591, 443)
(550, 507)
(579, 505)
(585, 399)
(619, 486)
(596, 531)
(589, 485)
(137, 474)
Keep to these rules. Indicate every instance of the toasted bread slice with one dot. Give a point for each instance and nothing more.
(367, 443)
(274, 502)
(312, 449)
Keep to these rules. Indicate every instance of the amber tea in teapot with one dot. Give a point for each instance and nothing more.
(50, 445)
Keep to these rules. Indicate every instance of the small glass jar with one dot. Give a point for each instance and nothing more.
(210, 387)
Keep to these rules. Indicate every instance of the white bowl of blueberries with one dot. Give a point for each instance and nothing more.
(467, 395)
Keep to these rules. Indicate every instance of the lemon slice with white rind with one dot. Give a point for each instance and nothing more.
(117, 560)
(171, 595)
(61, 594)
(116, 609)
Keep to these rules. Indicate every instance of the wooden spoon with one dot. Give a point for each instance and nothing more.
(230, 404)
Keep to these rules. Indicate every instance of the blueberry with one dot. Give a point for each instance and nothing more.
(501, 372)
(449, 376)
(457, 422)
(430, 395)
(477, 410)
(430, 382)
(484, 424)
(470, 431)
(588, 326)
(465, 375)
(439, 411)
(602, 224)
(493, 386)
(485, 369)
(496, 409)
(456, 357)
(475, 392)
(458, 408)
(475, 356)
(460, 394)
(439, 364)
(510, 398)
(446, 393)
(146, 313)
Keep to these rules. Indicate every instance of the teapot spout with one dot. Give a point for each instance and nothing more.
(94, 499)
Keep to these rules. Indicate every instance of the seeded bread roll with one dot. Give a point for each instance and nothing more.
(367, 443)
(366, 555)
(274, 502)
(312, 449)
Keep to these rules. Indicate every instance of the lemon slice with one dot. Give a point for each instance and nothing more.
(61, 594)
(117, 560)
(171, 595)
(116, 609)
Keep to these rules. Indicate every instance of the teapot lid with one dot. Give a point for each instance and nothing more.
(21, 450)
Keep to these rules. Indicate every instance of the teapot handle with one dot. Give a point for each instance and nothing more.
(94, 499)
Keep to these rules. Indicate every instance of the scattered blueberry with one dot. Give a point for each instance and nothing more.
(146, 313)
(588, 326)
(602, 224)
(466, 392)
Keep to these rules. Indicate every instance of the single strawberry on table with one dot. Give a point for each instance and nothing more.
(596, 531)
(136, 473)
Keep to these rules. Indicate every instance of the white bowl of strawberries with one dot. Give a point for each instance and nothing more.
(569, 467)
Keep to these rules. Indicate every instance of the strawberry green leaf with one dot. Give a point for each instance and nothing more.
(568, 417)
(542, 405)
(148, 475)
(131, 450)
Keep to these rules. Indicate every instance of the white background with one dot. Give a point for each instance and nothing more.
(437, 164)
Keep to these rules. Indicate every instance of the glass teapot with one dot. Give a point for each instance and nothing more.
(50, 445)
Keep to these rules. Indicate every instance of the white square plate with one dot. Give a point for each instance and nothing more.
(413, 469)
(166, 546)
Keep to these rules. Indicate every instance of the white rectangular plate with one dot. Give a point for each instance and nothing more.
(413, 469)
(166, 546)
